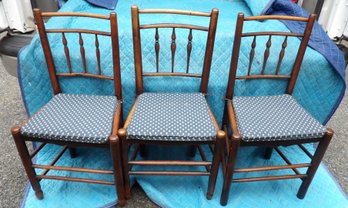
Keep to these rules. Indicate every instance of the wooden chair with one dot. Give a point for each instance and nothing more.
(171, 118)
(271, 121)
(72, 120)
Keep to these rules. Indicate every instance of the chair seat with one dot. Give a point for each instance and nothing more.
(273, 118)
(73, 118)
(179, 117)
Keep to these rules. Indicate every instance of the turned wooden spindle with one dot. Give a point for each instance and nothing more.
(66, 51)
(281, 54)
(173, 47)
(189, 49)
(268, 45)
(157, 49)
(252, 53)
(82, 51)
(97, 53)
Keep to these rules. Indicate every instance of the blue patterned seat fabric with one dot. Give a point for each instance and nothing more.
(274, 118)
(179, 117)
(74, 118)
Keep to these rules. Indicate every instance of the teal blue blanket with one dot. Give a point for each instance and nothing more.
(318, 89)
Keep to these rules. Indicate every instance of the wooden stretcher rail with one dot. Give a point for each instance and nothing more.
(269, 178)
(203, 156)
(169, 163)
(85, 170)
(170, 173)
(174, 11)
(73, 179)
(282, 155)
(37, 150)
(58, 156)
(305, 151)
(276, 167)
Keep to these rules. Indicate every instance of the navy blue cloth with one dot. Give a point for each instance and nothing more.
(319, 40)
(108, 4)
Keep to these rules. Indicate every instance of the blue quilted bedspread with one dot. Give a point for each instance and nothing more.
(318, 89)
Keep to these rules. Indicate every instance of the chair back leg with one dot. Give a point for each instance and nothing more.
(26, 160)
(317, 157)
(232, 157)
(118, 175)
(124, 158)
(219, 145)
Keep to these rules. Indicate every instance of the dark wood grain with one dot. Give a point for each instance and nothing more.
(84, 31)
(47, 51)
(82, 52)
(236, 140)
(173, 48)
(301, 53)
(268, 33)
(66, 51)
(204, 76)
(252, 54)
(97, 53)
(266, 54)
(137, 50)
(167, 25)
(157, 49)
(189, 49)
(281, 55)
(209, 51)
(112, 143)
(74, 14)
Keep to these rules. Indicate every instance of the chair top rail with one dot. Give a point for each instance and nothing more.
(95, 32)
(248, 34)
(174, 11)
(276, 17)
(169, 25)
(74, 14)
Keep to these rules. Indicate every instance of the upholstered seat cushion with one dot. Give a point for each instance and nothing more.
(171, 117)
(74, 118)
(271, 118)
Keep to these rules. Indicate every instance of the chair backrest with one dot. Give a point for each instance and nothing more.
(239, 34)
(211, 30)
(113, 34)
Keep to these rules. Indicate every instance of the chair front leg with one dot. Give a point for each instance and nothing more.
(125, 167)
(118, 175)
(232, 157)
(317, 157)
(26, 160)
(219, 145)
